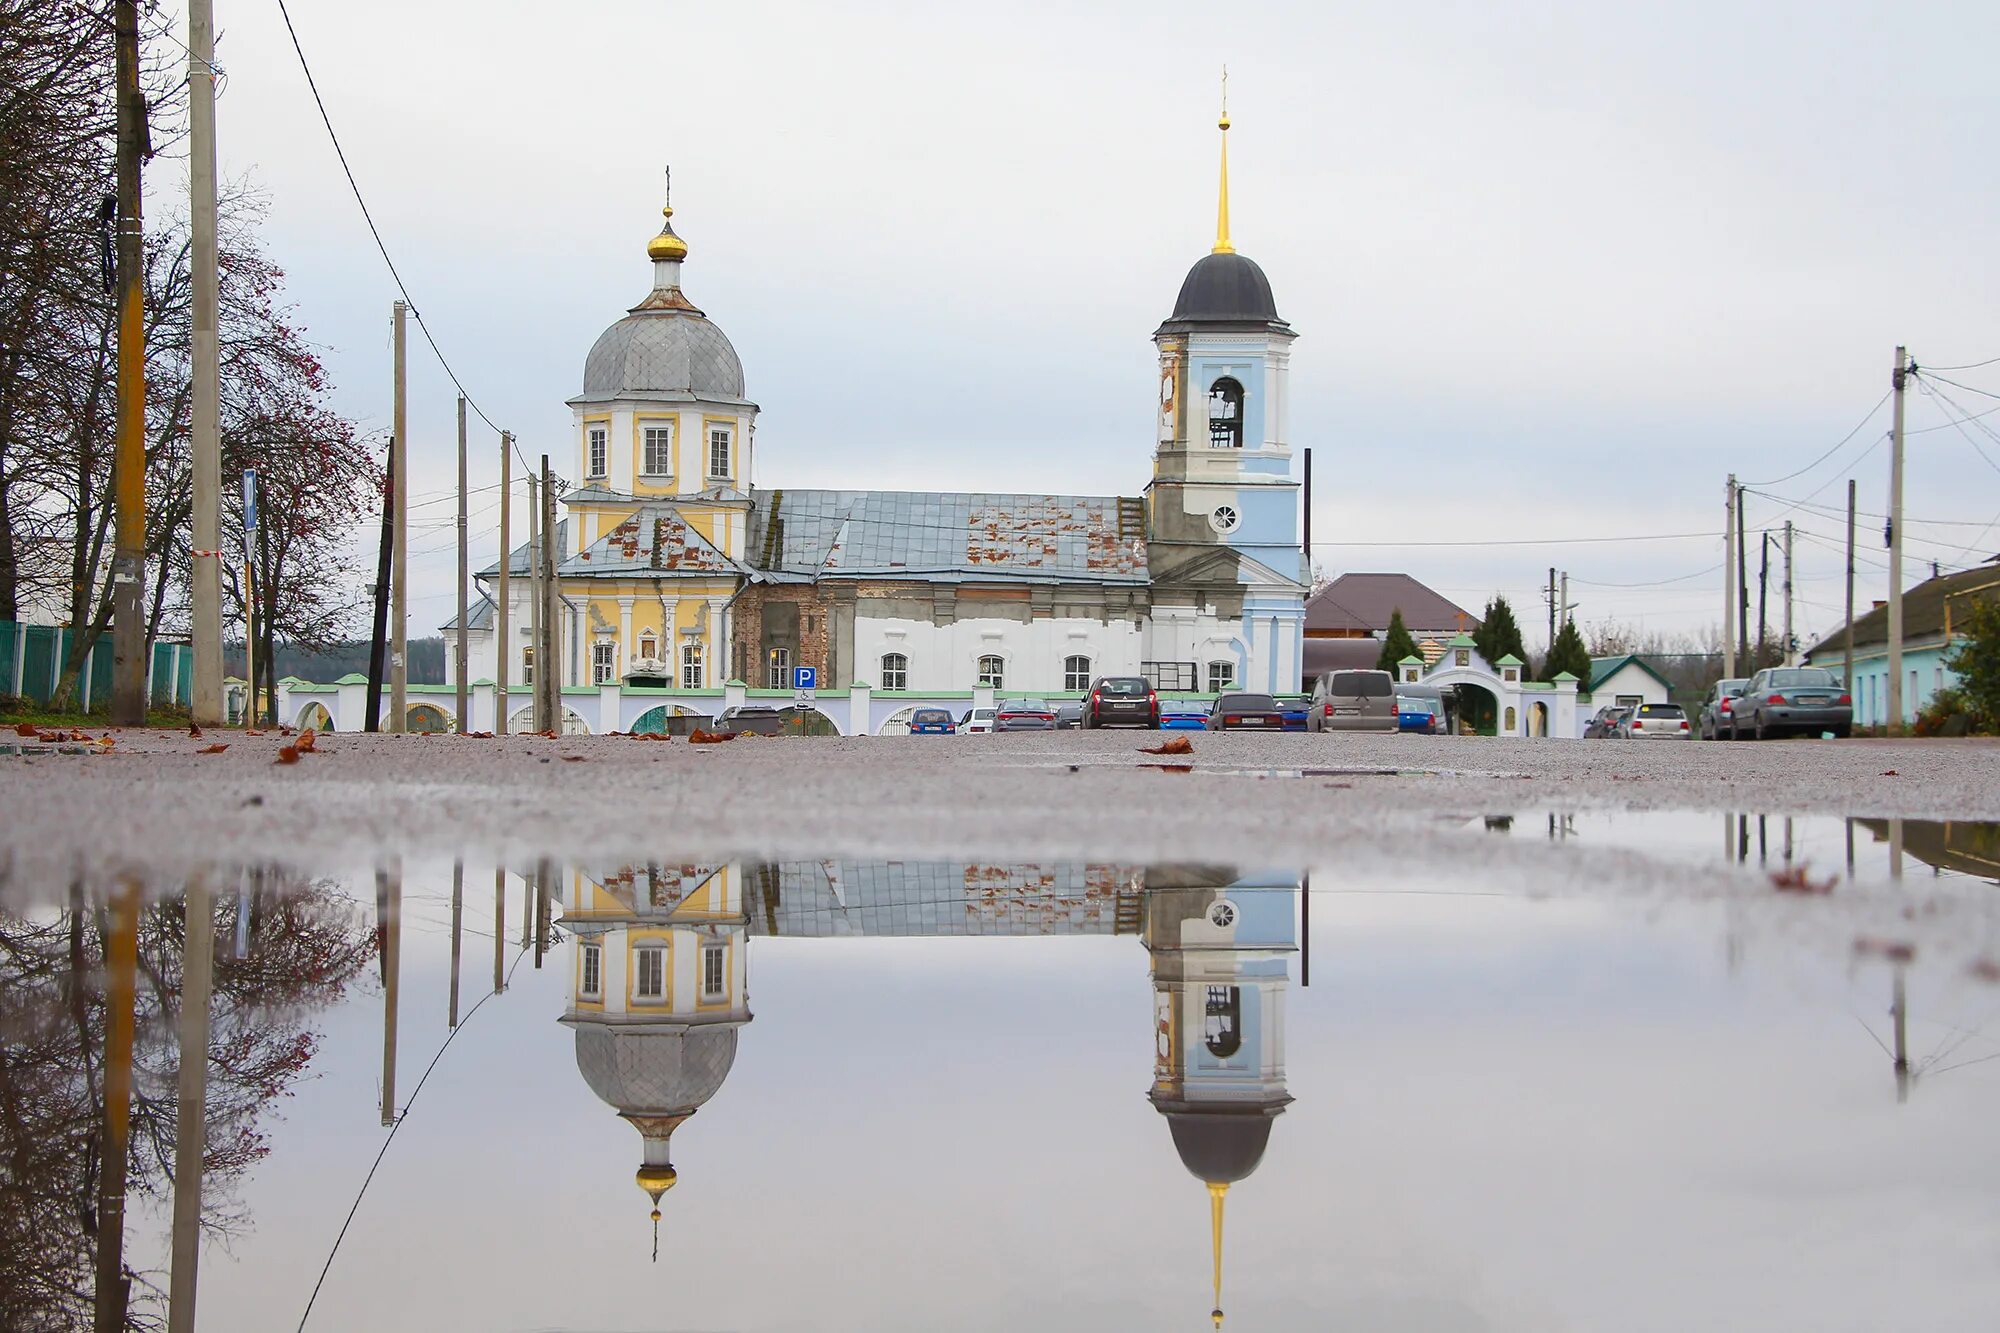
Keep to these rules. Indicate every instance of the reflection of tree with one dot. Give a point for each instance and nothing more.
(306, 946)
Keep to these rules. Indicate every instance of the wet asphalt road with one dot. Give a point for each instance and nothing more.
(153, 801)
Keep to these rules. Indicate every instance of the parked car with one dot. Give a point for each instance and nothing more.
(1807, 700)
(1069, 714)
(1418, 714)
(1245, 712)
(977, 721)
(1121, 701)
(760, 718)
(932, 722)
(1353, 701)
(1651, 722)
(1183, 715)
(1604, 724)
(1717, 708)
(1025, 715)
(1294, 707)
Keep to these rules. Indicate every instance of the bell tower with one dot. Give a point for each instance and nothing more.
(1222, 508)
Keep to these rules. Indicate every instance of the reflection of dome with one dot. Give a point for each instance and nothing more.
(1219, 1147)
(1225, 288)
(655, 1069)
(662, 351)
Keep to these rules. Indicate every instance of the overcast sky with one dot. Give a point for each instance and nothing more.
(1556, 271)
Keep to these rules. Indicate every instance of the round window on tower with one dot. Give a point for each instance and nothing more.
(1222, 914)
(1224, 518)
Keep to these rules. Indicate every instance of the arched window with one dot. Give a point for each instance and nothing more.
(1225, 414)
(1076, 672)
(1222, 1021)
(895, 671)
(992, 671)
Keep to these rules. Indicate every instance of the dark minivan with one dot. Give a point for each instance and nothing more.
(1122, 701)
(1353, 701)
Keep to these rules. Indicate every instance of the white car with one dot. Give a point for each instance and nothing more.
(976, 720)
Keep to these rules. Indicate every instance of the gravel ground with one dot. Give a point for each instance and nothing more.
(153, 801)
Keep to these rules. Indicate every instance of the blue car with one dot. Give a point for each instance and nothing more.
(1419, 715)
(1183, 715)
(1294, 706)
(932, 722)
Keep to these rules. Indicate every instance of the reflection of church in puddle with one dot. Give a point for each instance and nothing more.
(659, 993)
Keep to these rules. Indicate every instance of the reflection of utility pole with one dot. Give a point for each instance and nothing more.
(457, 920)
(389, 898)
(1763, 842)
(191, 1124)
(121, 974)
(1305, 928)
(1849, 822)
(1788, 840)
(1899, 1015)
(544, 882)
(499, 929)
(128, 472)
(1896, 849)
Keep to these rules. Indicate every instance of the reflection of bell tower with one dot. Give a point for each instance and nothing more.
(1219, 942)
(658, 989)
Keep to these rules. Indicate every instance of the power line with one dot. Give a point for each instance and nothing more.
(1657, 583)
(1961, 424)
(1831, 452)
(1924, 373)
(1532, 541)
(1991, 360)
(353, 185)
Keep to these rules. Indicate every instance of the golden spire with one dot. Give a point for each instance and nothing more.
(1215, 1196)
(1222, 245)
(657, 1180)
(667, 245)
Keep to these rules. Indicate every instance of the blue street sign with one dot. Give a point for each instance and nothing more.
(805, 678)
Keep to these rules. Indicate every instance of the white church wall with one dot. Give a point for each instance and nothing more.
(946, 657)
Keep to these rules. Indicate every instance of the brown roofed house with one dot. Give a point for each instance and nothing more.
(1358, 606)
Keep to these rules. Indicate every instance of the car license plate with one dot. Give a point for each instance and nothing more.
(1815, 698)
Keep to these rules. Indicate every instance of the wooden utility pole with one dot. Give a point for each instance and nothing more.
(128, 561)
(551, 623)
(205, 568)
(1847, 650)
(399, 486)
(191, 1122)
(462, 674)
(536, 668)
(1789, 646)
(121, 975)
(1763, 598)
(1728, 579)
(503, 637)
(1896, 381)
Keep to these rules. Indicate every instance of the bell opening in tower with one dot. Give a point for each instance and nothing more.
(1225, 414)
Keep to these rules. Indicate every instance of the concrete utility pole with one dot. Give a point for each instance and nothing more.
(503, 638)
(191, 1123)
(399, 579)
(1896, 380)
(461, 674)
(1847, 651)
(536, 668)
(1728, 579)
(457, 926)
(1742, 582)
(1790, 647)
(389, 906)
(551, 625)
(1563, 596)
(1552, 606)
(1763, 597)
(205, 570)
(128, 561)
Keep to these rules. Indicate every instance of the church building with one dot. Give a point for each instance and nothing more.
(680, 564)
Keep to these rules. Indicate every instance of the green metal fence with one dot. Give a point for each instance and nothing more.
(32, 659)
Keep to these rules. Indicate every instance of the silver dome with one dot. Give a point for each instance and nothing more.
(655, 1069)
(662, 352)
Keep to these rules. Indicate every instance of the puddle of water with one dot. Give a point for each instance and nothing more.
(1080, 1095)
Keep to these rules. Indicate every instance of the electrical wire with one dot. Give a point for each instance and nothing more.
(1925, 374)
(1991, 360)
(1831, 452)
(369, 218)
(1963, 419)
(401, 1116)
(1532, 541)
(1657, 583)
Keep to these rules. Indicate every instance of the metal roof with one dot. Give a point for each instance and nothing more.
(949, 536)
(1367, 601)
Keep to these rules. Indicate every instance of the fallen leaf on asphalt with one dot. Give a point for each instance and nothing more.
(252, 731)
(1798, 879)
(1985, 969)
(700, 737)
(572, 759)
(212, 749)
(1178, 745)
(284, 731)
(289, 755)
(194, 730)
(106, 742)
(30, 731)
(307, 741)
(1891, 773)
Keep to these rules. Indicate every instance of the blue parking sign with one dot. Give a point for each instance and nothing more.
(805, 678)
